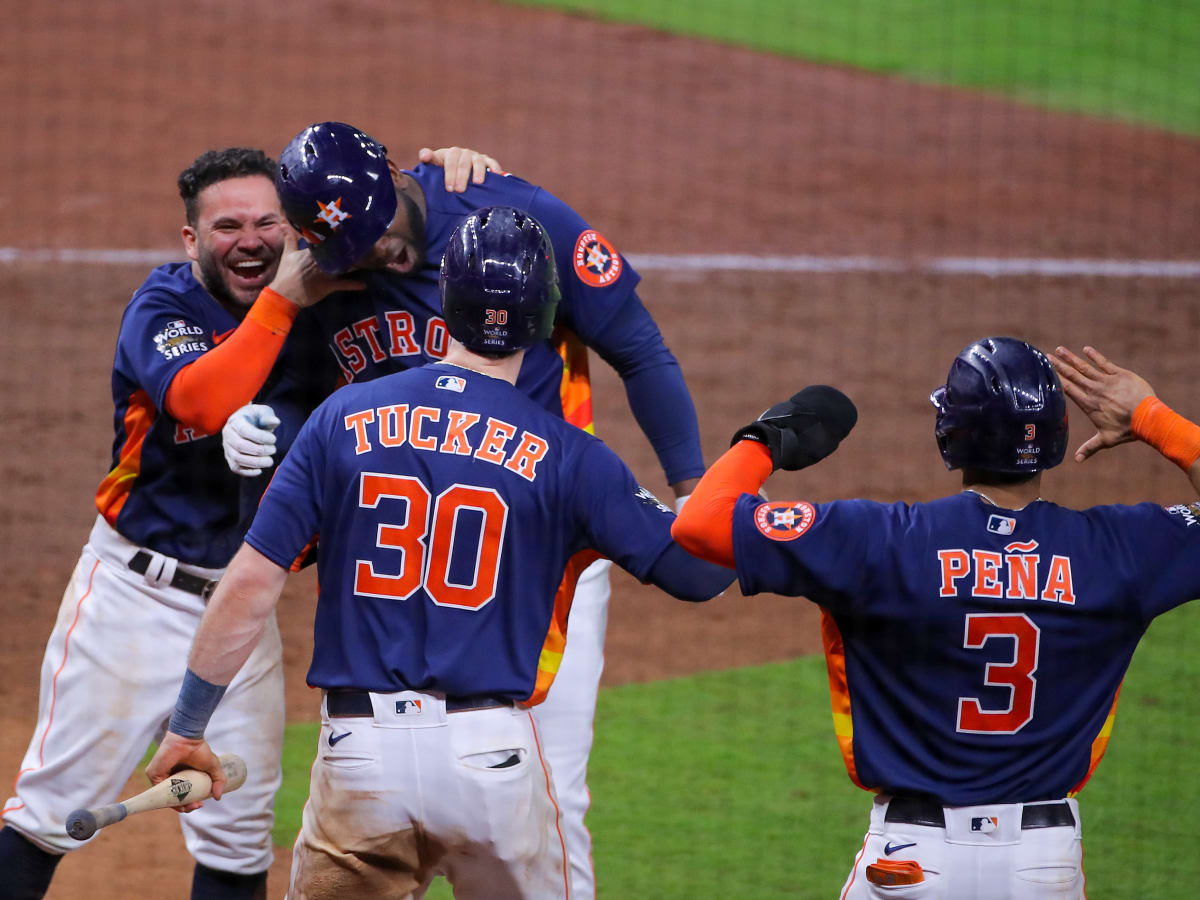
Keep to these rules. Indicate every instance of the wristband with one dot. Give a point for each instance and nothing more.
(194, 706)
(679, 501)
(1175, 437)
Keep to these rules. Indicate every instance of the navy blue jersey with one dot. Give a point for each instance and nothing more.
(449, 505)
(974, 653)
(169, 488)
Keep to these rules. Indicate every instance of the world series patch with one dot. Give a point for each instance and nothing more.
(784, 521)
(597, 262)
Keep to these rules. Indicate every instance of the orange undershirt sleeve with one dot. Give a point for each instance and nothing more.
(204, 393)
(1167, 431)
(705, 526)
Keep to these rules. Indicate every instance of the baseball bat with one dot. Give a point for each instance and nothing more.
(185, 786)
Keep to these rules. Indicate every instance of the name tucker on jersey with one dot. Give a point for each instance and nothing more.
(459, 433)
(1019, 573)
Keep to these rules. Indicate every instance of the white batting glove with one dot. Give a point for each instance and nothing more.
(679, 501)
(248, 439)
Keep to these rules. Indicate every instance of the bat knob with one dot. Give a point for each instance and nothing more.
(81, 824)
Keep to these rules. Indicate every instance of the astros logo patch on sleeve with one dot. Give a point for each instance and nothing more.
(597, 262)
(784, 521)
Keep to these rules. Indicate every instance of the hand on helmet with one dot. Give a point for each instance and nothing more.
(301, 280)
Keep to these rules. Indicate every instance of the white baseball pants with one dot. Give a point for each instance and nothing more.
(982, 853)
(413, 791)
(110, 675)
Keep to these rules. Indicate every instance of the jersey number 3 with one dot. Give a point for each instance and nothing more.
(1016, 675)
(427, 543)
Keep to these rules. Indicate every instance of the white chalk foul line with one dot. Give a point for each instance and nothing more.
(994, 267)
(943, 265)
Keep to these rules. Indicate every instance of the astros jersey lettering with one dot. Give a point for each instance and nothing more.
(169, 488)
(457, 503)
(1008, 692)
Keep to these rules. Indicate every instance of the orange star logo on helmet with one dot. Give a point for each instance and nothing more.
(332, 214)
(597, 262)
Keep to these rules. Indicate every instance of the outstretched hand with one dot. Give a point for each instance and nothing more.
(463, 166)
(805, 429)
(1105, 392)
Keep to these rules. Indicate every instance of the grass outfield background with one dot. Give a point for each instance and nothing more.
(1128, 59)
(730, 784)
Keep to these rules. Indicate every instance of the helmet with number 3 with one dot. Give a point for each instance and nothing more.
(499, 283)
(1002, 409)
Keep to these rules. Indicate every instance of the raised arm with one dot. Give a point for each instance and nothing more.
(791, 435)
(205, 393)
(1123, 407)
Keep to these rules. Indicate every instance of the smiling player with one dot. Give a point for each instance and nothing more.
(196, 342)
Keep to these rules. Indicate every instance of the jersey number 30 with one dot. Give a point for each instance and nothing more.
(1017, 675)
(427, 543)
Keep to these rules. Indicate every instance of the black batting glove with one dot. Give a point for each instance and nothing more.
(803, 430)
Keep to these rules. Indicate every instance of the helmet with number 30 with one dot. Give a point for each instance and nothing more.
(499, 283)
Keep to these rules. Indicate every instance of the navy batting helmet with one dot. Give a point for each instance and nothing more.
(499, 283)
(1002, 409)
(337, 191)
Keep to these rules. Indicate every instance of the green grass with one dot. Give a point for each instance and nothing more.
(729, 784)
(1128, 59)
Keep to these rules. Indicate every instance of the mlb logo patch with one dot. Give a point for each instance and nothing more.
(984, 824)
(450, 383)
(408, 707)
(1001, 524)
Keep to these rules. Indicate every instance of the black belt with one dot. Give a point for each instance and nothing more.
(357, 704)
(193, 584)
(919, 811)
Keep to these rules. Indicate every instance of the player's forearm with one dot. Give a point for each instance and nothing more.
(236, 615)
(1175, 437)
(205, 393)
(688, 578)
(705, 525)
(663, 408)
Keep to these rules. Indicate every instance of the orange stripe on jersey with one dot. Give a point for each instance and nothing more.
(114, 489)
(576, 388)
(556, 636)
(839, 693)
(1100, 744)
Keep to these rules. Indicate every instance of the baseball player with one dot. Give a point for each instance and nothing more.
(975, 644)
(196, 342)
(450, 504)
(357, 209)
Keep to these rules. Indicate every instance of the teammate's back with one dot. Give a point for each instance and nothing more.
(1019, 626)
(457, 503)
